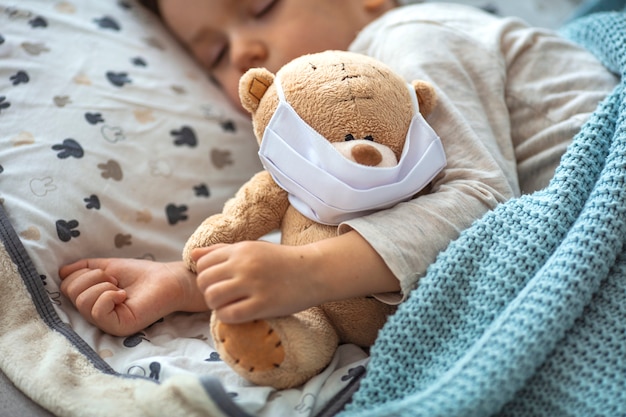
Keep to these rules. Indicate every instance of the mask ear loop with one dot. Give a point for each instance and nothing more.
(416, 115)
(416, 105)
(280, 92)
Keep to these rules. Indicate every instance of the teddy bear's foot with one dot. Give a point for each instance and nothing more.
(254, 346)
(281, 353)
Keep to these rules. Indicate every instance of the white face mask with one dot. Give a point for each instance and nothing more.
(328, 188)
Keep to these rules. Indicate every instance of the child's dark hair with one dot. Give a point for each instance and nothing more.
(152, 5)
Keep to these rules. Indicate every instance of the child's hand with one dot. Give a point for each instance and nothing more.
(124, 296)
(256, 279)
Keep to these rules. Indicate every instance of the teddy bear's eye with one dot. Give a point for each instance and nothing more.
(348, 137)
(369, 137)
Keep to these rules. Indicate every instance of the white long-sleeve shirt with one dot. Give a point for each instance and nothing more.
(511, 98)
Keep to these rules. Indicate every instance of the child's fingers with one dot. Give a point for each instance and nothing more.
(89, 263)
(198, 253)
(212, 257)
(242, 311)
(105, 306)
(81, 280)
(87, 299)
(223, 293)
(67, 270)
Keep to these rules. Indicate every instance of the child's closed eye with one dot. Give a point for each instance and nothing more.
(209, 52)
(218, 54)
(260, 8)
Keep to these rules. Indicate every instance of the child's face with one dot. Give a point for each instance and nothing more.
(230, 36)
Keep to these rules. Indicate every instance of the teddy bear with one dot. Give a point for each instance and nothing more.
(362, 112)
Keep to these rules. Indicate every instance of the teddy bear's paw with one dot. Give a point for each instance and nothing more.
(251, 347)
(282, 352)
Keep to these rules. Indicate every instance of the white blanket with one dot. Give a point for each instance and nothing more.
(168, 369)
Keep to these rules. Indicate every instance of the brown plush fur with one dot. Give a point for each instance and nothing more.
(337, 93)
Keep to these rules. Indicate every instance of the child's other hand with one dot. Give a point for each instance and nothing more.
(124, 296)
(253, 280)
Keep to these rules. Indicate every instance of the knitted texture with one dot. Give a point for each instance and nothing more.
(525, 313)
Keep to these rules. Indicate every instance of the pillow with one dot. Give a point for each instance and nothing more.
(113, 142)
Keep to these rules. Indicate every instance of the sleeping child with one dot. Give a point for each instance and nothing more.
(511, 98)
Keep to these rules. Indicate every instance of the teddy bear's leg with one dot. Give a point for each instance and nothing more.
(281, 353)
(358, 320)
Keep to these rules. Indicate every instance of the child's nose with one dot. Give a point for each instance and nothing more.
(247, 52)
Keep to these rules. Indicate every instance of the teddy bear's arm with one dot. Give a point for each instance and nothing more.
(256, 209)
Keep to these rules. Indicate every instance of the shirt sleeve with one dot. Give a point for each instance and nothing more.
(552, 88)
(508, 94)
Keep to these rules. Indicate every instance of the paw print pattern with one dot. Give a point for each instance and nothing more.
(61, 101)
(113, 134)
(66, 230)
(23, 139)
(155, 370)
(94, 118)
(202, 190)
(118, 79)
(185, 136)
(144, 116)
(175, 213)
(111, 170)
(228, 126)
(221, 158)
(69, 148)
(4, 104)
(108, 22)
(139, 62)
(306, 404)
(55, 297)
(20, 78)
(160, 168)
(15, 13)
(92, 202)
(144, 216)
(35, 49)
(122, 240)
(213, 357)
(135, 340)
(38, 22)
(31, 233)
(42, 186)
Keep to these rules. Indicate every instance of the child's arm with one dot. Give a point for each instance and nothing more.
(123, 296)
(255, 279)
(242, 282)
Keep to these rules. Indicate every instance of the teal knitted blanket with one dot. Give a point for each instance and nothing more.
(525, 314)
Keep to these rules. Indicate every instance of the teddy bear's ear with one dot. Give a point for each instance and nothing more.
(252, 87)
(426, 96)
